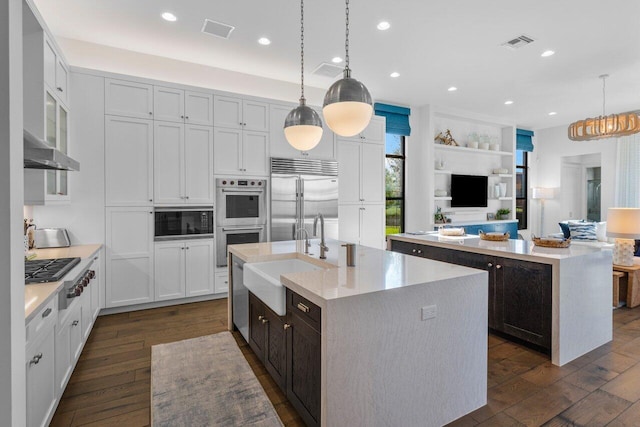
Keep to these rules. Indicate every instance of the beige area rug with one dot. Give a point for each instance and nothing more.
(206, 381)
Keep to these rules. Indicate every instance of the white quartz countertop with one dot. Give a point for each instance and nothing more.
(375, 270)
(519, 249)
(38, 294)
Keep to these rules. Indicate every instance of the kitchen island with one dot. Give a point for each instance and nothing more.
(558, 299)
(380, 363)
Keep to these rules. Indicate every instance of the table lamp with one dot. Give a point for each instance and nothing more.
(542, 193)
(624, 225)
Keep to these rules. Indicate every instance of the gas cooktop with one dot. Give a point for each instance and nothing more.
(47, 270)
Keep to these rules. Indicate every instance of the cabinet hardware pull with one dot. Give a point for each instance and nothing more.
(286, 326)
(186, 197)
(46, 312)
(182, 117)
(186, 117)
(151, 113)
(260, 317)
(151, 200)
(75, 323)
(413, 251)
(264, 321)
(187, 247)
(419, 251)
(303, 307)
(60, 89)
(489, 265)
(36, 359)
(498, 266)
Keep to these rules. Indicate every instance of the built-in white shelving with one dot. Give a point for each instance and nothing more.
(442, 198)
(471, 150)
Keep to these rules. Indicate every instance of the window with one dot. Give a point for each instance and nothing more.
(522, 204)
(394, 184)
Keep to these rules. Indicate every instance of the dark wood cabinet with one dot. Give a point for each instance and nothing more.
(303, 357)
(520, 299)
(290, 351)
(267, 339)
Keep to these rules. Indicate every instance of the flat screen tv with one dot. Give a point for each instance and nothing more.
(469, 191)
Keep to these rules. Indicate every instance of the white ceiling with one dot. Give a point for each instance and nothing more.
(432, 44)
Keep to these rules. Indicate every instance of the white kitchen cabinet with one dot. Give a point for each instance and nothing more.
(129, 257)
(129, 99)
(238, 152)
(237, 113)
(183, 164)
(221, 283)
(184, 268)
(362, 224)
(280, 147)
(68, 344)
(56, 72)
(40, 366)
(361, 172)
(374, 133)
(128, 161)
(177, 105)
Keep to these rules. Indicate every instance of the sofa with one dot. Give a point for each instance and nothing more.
(585, 233)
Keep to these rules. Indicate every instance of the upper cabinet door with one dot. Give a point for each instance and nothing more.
(228, 112)
(255, 153)
(375, 132)
(130, 99)
(50, 63)
(227, 149)
(62, 81)
(198, 108)
(372, 173)
(168, 161)
(168, 104)
(255, 116)
(198, 154)
(128, 161)
(349, 171)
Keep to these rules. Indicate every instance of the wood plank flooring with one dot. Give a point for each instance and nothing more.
(111, 383)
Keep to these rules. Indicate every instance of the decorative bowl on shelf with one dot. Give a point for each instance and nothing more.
(441, 193)
(498, 171)
(494, 236)
(551, 242)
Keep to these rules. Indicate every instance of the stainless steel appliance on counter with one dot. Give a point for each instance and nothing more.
(52, 238)
(300, 190)
(241, 214)
(183, 223)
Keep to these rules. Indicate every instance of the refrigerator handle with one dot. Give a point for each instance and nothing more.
(301, 198)
(297, 221)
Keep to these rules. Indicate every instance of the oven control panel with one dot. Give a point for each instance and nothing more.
(240, 183)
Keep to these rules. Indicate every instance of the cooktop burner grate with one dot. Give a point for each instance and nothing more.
(48, 270)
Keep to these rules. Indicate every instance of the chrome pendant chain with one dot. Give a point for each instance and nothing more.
(346, 42)
(302, 51)
(604, 92)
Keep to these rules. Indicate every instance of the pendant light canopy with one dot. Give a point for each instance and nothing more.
(348, 106)
(303, 126)
(611, 126)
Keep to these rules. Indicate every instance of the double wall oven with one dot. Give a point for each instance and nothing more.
(241, 214)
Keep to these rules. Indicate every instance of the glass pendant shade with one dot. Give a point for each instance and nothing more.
(348, 106)
(303, 127)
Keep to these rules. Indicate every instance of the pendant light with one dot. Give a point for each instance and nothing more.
(611, 126)
(347, 104)
(303, 126)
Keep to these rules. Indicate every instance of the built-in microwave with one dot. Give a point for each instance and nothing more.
(183, 223)
(240, 202)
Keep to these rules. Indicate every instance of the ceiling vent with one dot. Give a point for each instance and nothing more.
(518, 42)
(328, 70)
(217, 29)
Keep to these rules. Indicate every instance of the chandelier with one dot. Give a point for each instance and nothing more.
(611, 126)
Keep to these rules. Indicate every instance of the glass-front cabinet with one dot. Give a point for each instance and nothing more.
(57, 135)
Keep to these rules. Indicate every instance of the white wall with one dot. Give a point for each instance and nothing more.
(12, 331)
(105, 58)
(551, 145)
(417, 177)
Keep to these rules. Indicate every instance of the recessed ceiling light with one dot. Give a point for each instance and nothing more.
(547, 53)
(168, 16)
(264, 41)
(383, 25)
(394, 74)
(553, 113)
(336, 60)
(509, 102)
(452, 89)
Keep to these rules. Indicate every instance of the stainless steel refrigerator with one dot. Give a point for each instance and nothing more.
(300, 189)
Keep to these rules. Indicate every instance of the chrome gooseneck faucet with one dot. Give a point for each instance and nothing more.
(323, 247)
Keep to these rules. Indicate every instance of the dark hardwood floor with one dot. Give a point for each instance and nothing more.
(111, 383)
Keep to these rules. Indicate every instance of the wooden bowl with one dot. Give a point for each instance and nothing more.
(551, 243)
(494, 237)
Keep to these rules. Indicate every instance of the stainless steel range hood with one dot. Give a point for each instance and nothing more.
(39, 155)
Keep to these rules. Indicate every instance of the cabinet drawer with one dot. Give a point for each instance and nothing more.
(304, 309)
(47, 315)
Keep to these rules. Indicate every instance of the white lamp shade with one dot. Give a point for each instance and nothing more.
(347, 118)
(303, 137)
(623, 223)
(542, 193)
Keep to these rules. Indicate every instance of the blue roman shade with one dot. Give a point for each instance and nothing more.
(523, 140)
(397, 118)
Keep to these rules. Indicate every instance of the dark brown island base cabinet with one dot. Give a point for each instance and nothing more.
(289, 348)
(520, 300)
